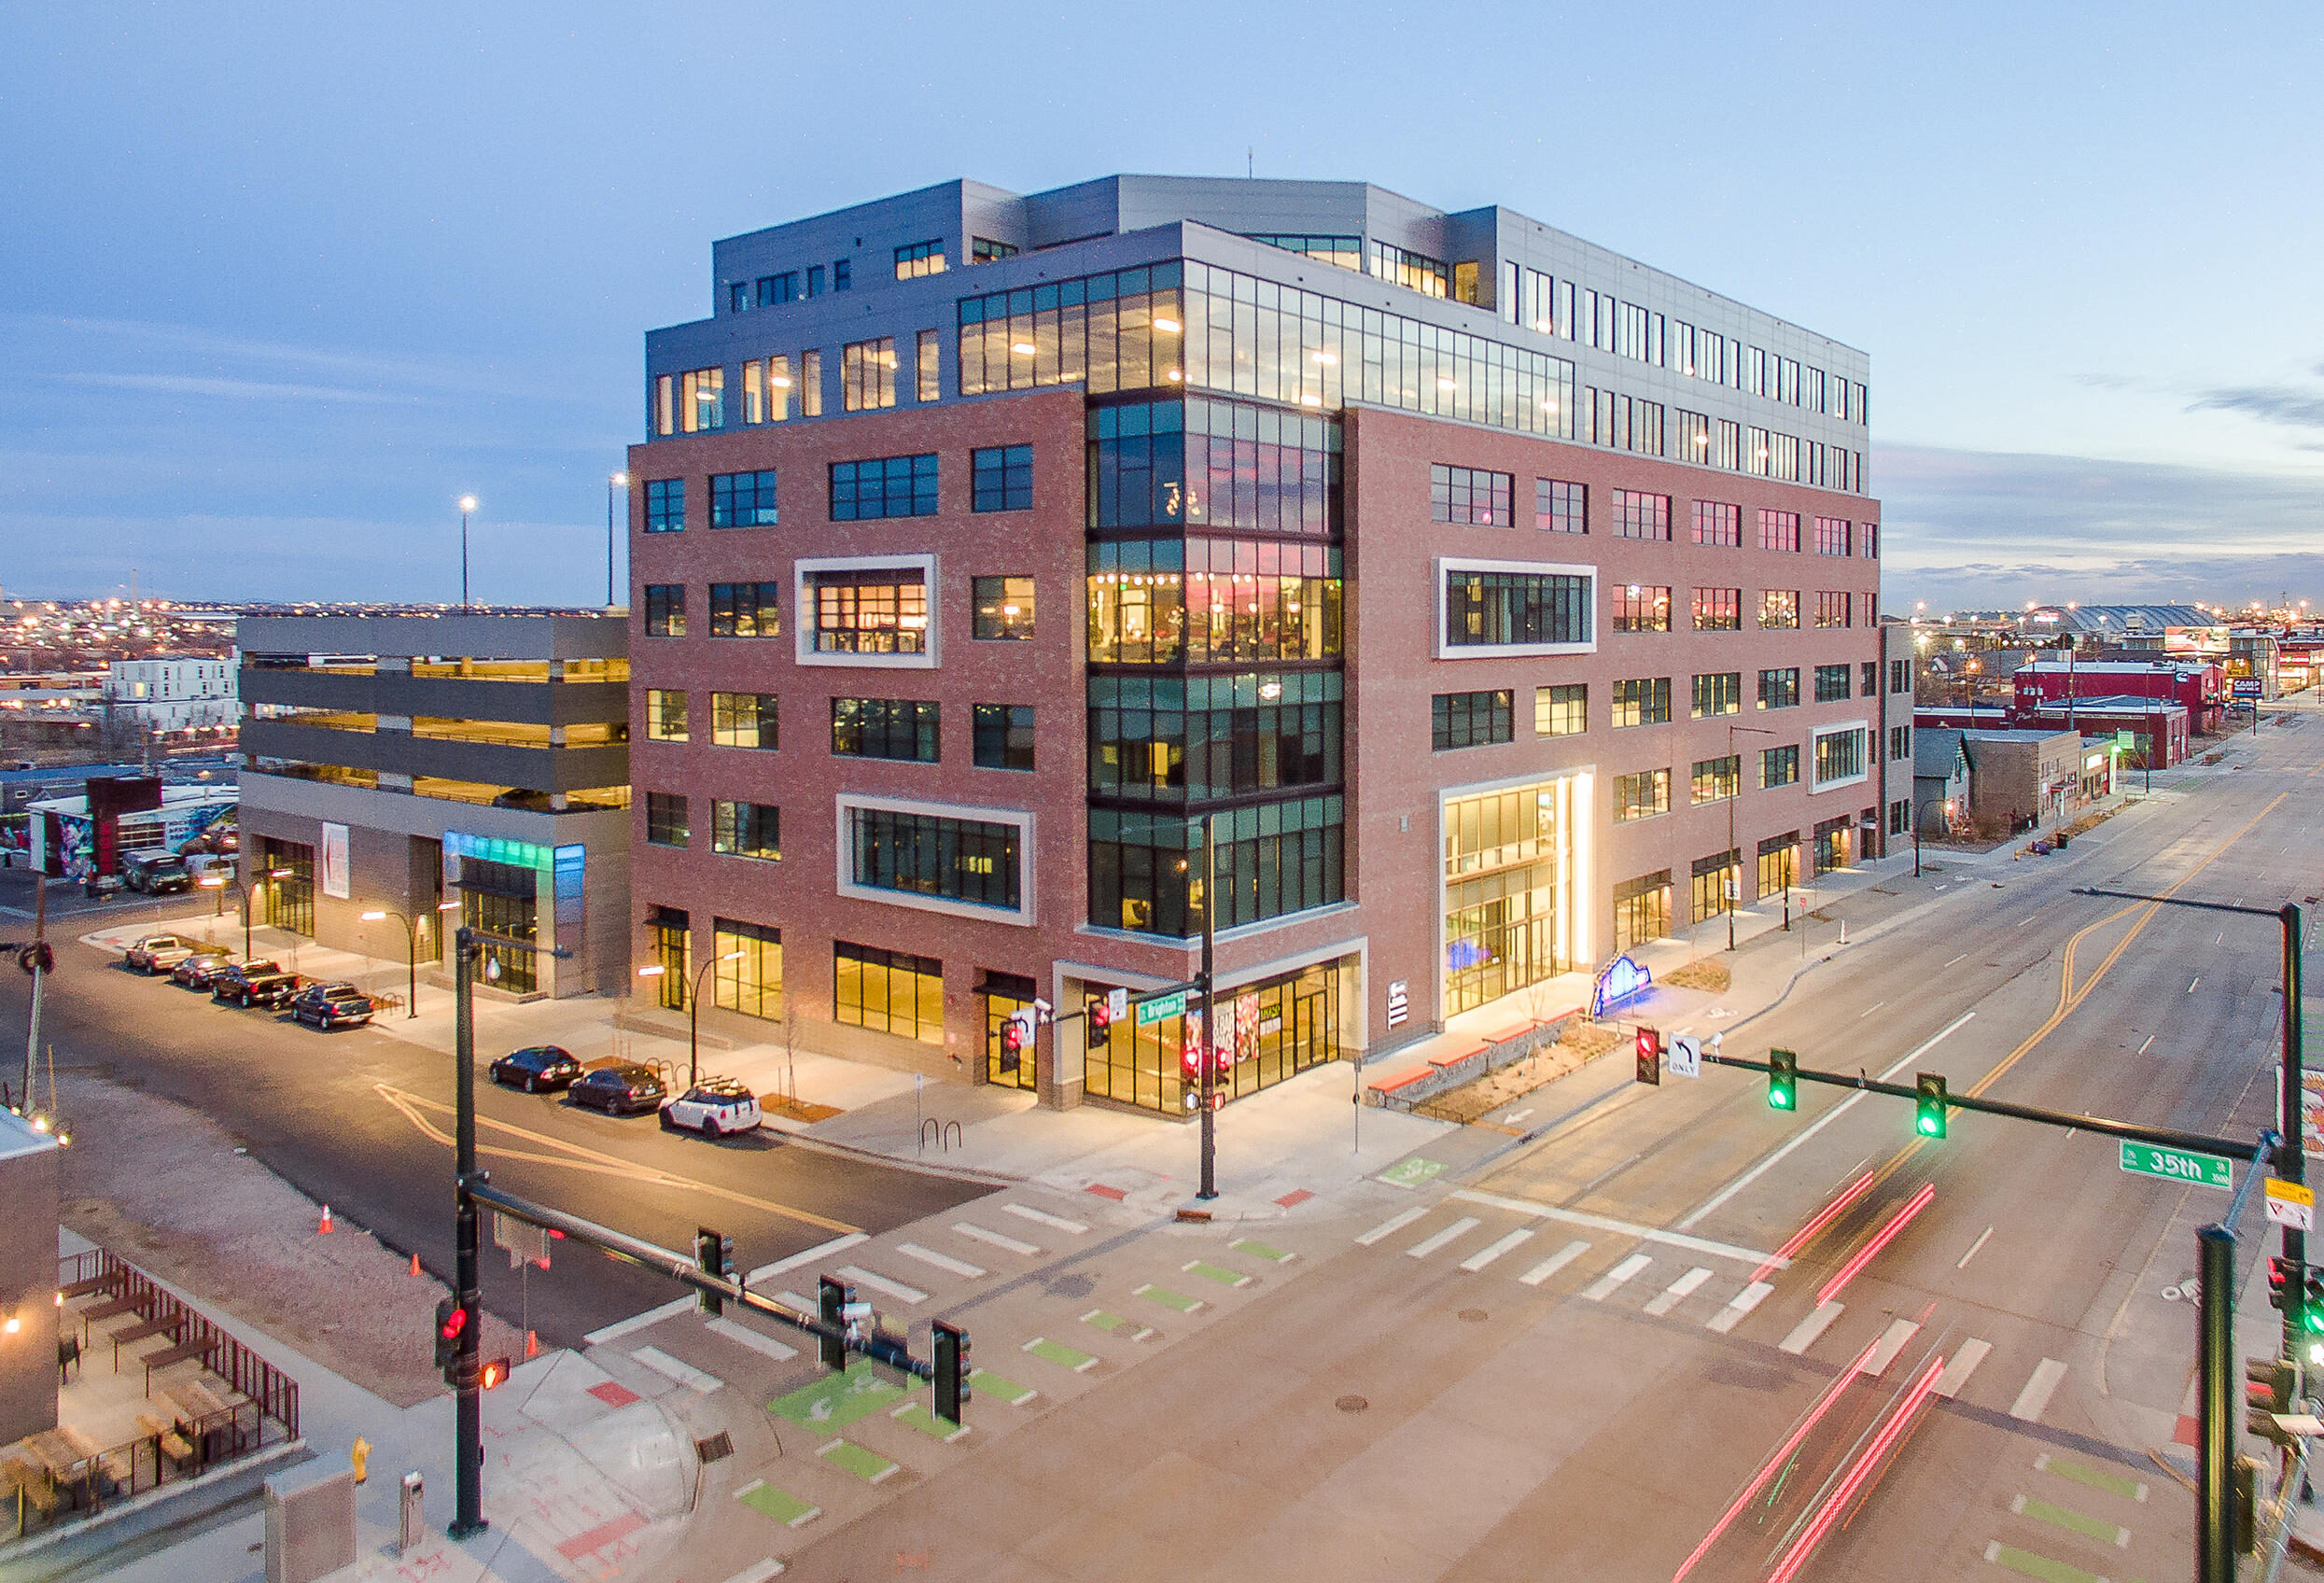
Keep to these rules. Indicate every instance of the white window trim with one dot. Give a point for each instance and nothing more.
(1447, 650)
(803, 573)
(1817, 735)
(1024, 914)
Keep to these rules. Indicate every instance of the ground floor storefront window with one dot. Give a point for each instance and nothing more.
(1267, 1031)
(1715, 879)
(673, 948)
(1835, 844)
(1509, 891)
(284, 885)
(501, 899)
(749, 968)
(1779, 862)
(891, 991)
(1642, 909)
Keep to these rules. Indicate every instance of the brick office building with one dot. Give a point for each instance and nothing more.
(1470, 576)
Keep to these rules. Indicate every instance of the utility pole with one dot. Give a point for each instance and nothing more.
(1209, 1022)
(468, 1404)
(40, 977)
(2214, 1521)
(2291, 1161)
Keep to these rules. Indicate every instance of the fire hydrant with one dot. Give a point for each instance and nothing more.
(360, 1455)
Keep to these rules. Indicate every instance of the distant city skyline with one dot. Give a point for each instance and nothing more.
(296, 284)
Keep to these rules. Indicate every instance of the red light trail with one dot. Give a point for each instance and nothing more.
(1767, 1469)
(1881, 1443)
(1824, 1217)
(1881, 1238)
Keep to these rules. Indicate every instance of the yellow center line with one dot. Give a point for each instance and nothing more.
(577, 1157)
(2070, 995)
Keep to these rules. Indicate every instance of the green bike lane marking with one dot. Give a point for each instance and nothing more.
(1169, 1298)
(837, 1399)
(1225, 1277)
(1060, 1353)
(870, 1466)
(917, 1417)
(1113, 1324)
(780, 1505)
(2027, 1565)
(1259, 1250)
(2097, 1479)
(2096, 1528)
(985, 1384)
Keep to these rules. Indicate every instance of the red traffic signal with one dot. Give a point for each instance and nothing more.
(1650, 1055)
(1101, 1017)
(2280, 1287)
(456, 1321)
(1011, 1036)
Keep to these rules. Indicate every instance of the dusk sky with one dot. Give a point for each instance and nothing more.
(278, 284)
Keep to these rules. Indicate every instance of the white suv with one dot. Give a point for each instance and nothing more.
(713, 1107)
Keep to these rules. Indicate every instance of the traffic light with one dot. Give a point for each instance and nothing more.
(1650, 1055)
(714, 1251)
(450, 1319)
(1930, 1104)
(2271, 1386)
(830, 1301)
(2285, 1284)
(1100, 1022)
(1782, 1080)
(492, 1374)
(1016, 1037)
(2312, 1310)
(952, 1346)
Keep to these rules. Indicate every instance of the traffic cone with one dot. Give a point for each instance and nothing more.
(532, 1345)
(415, 1263)
(324, 1230)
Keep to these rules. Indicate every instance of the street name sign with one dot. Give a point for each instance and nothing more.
(2291, 1204)
(1161, 1008)
(2179, 1165)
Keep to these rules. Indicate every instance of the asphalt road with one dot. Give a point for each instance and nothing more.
(362, 1121)
(1565, 1368)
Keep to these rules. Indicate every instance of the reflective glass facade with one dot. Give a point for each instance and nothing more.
(1267, 1031)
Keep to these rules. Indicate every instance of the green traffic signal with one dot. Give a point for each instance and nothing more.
(1930, 1104)
(1782, 1080)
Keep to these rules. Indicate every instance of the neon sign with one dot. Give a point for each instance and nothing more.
(1619, 980)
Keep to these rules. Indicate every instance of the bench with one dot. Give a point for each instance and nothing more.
(96, 1283)
(130, 1336)
(112, 1309)
(170, 1357)
(172, 1444)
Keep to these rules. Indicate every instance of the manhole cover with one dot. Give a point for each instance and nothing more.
(1351, 1404)
(716, 1447)
(1072, 1286)
(1472, 1316)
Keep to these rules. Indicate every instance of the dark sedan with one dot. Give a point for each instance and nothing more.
(543, 1066)
(623, 1089)
(199, 972)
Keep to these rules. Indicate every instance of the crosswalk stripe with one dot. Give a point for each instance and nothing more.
(744, 1336)
(1389, 1227)
(1434, 1241)
(812, 1256)
(1554, 1262)
(1892, 1341)
(1043, 1217)
(1676, 1291)
(1741, 1304)
(1964, 1364)
(895, 1289)
(1492, 1250)
(2036, 1395)
(1804, 1334)
(970, 1229)
(685, 1374)
(944, 1262)
(1614, 1278)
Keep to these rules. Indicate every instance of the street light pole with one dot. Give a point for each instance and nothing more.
(618, 482)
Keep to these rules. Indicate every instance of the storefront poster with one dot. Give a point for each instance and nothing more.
(1247, 1027)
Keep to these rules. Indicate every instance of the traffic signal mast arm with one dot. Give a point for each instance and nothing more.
(2167, 1137)
(683, 1269)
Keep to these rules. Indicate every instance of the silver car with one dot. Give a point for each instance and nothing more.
(714, 1107)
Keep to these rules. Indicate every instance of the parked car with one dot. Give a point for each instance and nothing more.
(326, 1006)
(243, 988)
(229, 983)
(713, 1107)
(623, 1089)
(543, 1066)
(159, 953)
(196, 971)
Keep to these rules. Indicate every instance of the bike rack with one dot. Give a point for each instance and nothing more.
(948, 1133)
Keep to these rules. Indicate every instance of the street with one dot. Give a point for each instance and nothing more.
(362, 1121)
(1570, 1366)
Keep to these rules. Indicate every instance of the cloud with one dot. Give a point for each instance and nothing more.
(1990, 529)
(2271, 403)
